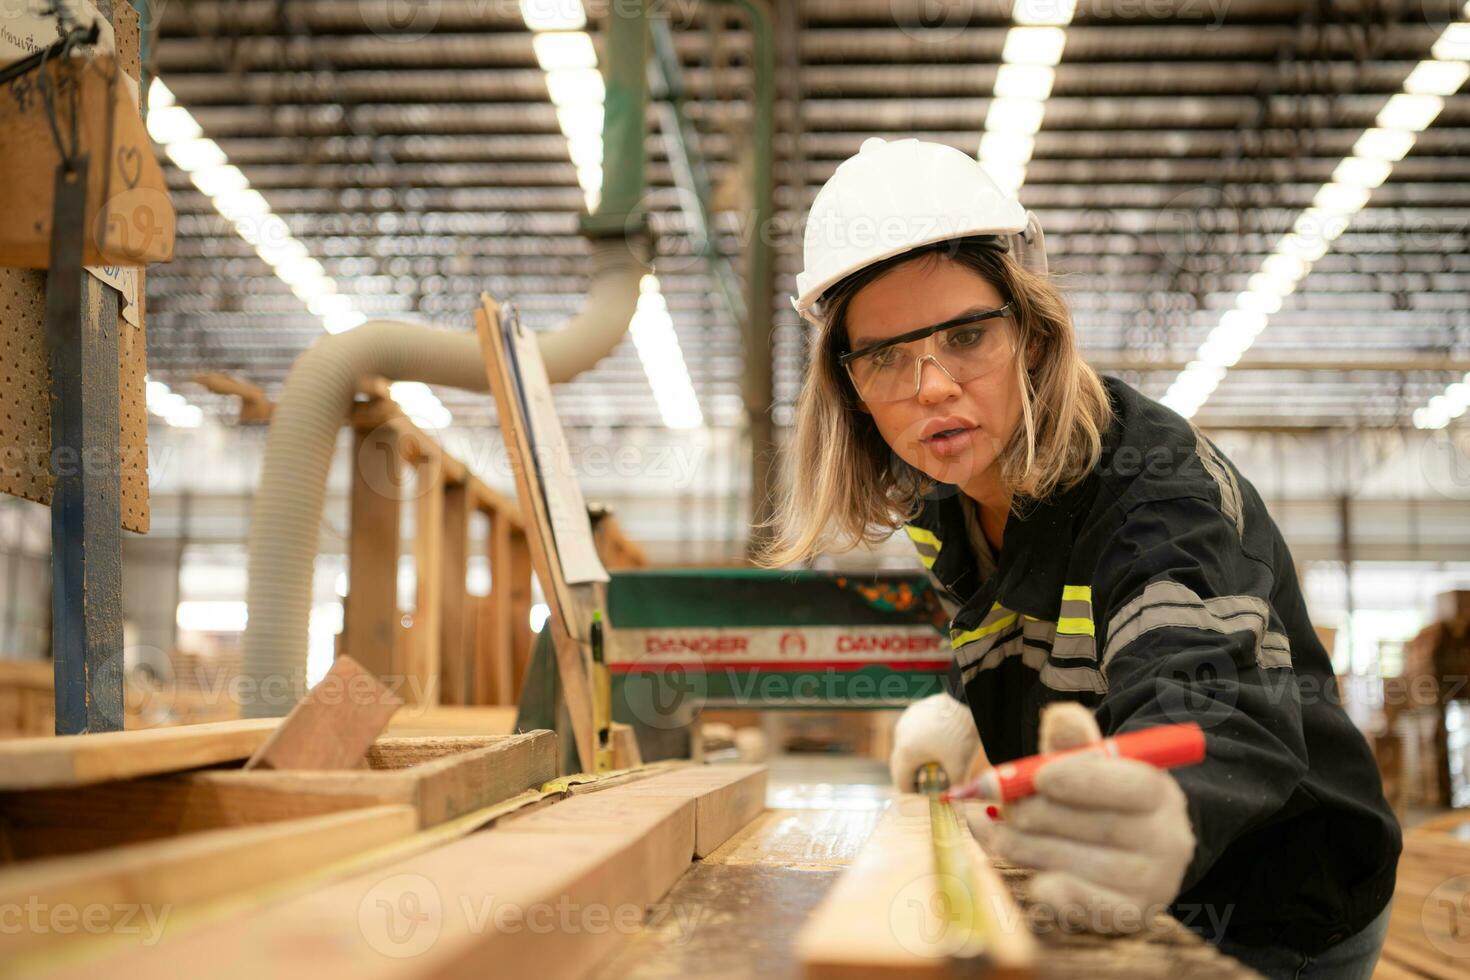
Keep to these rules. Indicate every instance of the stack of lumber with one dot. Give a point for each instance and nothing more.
(1429, 929)
(117, 832)
(550, 890)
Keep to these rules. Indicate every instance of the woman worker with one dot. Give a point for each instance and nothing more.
(1092, 548)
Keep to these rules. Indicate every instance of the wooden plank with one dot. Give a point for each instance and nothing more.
(882, 918)
(625, 752)
(333, 724)
(617, 813)
(454, 720)
(456, 664)
(428, 560)
(729, 797)
(34, 763)
(542, 895)
(571, 661)
(159, 877)
(452, 777)
(371, 618)
(499, 680)
(522, 640)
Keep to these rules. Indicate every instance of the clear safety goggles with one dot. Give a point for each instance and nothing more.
(967, 348)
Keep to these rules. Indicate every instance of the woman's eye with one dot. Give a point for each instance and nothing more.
(966, 337)
(887, 357)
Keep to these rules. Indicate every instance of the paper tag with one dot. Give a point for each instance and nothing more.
(123, 278)
(27, 31)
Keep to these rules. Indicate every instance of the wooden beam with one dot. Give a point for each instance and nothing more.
(667, 822)
(728, 797)
(625, 751)
(371, 617)
(884, 916)
(522, 640)
(428, 559)
(333, 724)
(454, 720)
(162, 877)
(441, 778)
(456, 661)
(498, 686)
(550, 894)
(36, 763)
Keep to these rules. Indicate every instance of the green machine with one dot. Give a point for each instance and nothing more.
(682, 640)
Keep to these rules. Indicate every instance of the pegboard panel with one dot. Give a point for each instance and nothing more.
(25, 406)
(132, 416)
(25, 373)
(25, 379)
(125, 35)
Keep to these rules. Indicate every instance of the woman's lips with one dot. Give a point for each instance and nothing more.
(949, 442)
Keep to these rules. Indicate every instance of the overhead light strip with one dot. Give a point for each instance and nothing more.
(565, 53)
(1023, 83)
(183, 140)
(1397, 127)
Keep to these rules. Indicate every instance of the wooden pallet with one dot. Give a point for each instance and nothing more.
(1429, 925)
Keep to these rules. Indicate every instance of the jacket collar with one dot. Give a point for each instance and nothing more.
(1034, 558)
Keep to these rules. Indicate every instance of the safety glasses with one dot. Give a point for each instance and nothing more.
(966, 348)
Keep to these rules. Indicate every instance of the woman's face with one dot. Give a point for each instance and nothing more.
(951, 432)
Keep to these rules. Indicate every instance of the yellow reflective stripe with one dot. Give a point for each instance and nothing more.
(980, 632)
(1079, 592)
(922, 536)
(1076, 626)
(928, 562)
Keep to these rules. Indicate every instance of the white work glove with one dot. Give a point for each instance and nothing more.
(1111, 837)
(936, 729)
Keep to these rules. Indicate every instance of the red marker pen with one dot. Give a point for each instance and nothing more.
(1165, 746)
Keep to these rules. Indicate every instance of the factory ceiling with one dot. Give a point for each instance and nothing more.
(413, 149)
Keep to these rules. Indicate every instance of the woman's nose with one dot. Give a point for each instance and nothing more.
(934, 383)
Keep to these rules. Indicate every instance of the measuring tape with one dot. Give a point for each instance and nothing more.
(967, 924)
(965, 918)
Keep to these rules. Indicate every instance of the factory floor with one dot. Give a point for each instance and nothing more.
(736, 913)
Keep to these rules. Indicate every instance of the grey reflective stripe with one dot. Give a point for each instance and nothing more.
(970, 654)
(1076, 609)
(1069, 647)
(1165, 604)
(1057, 678)
(1040, 630)
(1275, 651)
(1073, 678)
(1224, 478)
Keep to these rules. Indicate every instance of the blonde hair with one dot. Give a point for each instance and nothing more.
(844, 486)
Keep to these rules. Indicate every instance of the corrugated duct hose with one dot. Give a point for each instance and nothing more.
(313, 406)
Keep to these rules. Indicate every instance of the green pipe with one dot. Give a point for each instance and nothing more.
(757, 386)
(620, 205)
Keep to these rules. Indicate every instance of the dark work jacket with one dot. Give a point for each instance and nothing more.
(1159, 590)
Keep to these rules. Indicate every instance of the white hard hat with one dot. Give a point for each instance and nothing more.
(891, 197)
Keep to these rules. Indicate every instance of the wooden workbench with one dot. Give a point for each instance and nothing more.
(737, 912)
